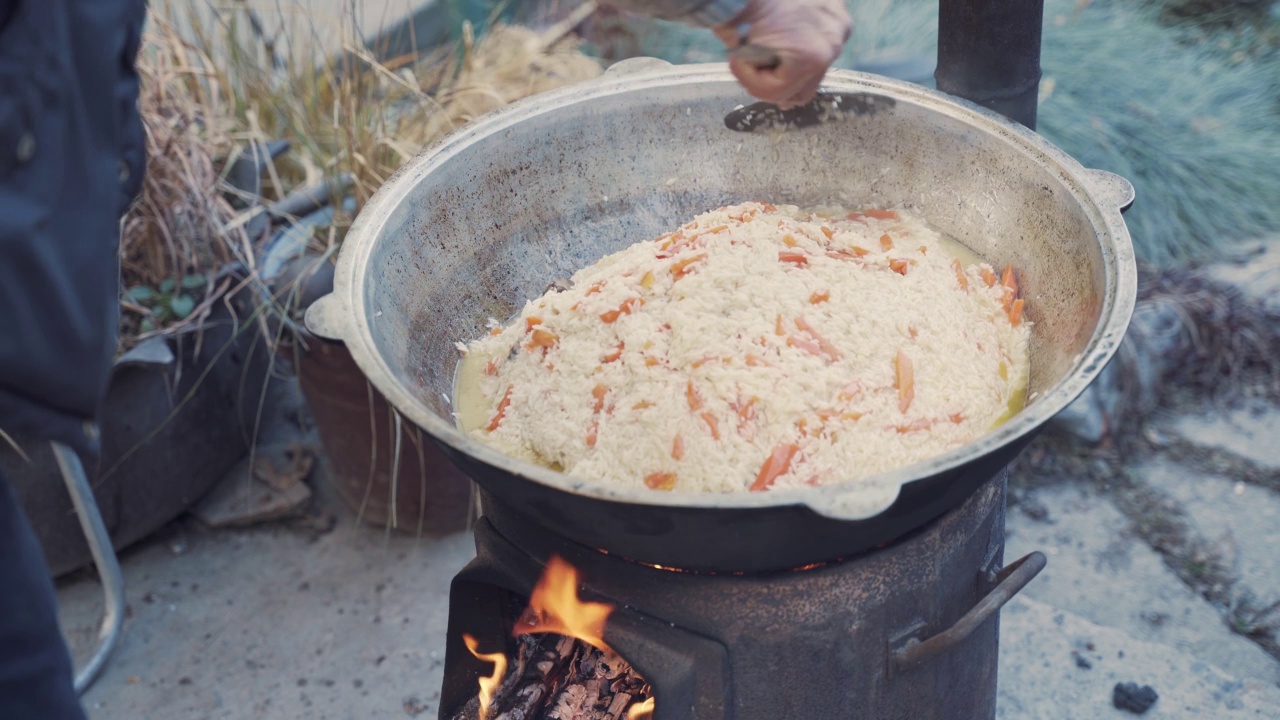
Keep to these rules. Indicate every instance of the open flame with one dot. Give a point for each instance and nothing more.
(488, 685)
(641, 711)
(554, 607)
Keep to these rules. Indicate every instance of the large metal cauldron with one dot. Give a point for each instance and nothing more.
(486, 218)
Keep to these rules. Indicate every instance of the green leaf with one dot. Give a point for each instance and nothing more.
(146, 325)
(193, 282)
(182, 305)
(168, 285)
(141, 294)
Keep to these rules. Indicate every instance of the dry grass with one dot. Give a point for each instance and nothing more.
(212, 91)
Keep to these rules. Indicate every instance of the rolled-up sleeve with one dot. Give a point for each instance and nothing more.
(704, 13)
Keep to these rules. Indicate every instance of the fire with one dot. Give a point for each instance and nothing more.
(488, 685)
(641, 711)
(554, 607)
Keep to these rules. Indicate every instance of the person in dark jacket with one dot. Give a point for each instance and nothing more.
(71, 161)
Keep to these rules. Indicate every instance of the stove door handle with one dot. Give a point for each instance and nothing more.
(1008, 582)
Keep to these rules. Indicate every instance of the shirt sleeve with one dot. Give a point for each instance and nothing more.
(704, 13)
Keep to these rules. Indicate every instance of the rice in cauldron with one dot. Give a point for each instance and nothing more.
(756, 347)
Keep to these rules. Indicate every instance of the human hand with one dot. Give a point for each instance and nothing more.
(807, 36)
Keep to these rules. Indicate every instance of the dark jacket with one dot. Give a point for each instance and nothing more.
(71, 159)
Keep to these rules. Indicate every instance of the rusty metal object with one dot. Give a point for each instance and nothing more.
(803, 643)
(419, 492)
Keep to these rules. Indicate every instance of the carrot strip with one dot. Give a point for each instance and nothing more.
(850, 391)
(530, 322)
(660, 481)
(542, 339)
(881, 214)
(898, 265)
(795, 258)
(491, 368)
(503, 404)
(680, 268)
(961, 278)
(828, 232)
(677, 448)
(886, 242)
(647, 280)
(650, 361)
(988, 276)
(775, 466)
(1015, 313)
(642, 405)
(904, 380)
(808, 346)
(777, 325)
(592, 433)
(624, 309)
(820, 297)
(616, 354)
(789, 240)
(855, 216)
(691, 394)
(915, 425)
(828, 348)
(713, 423)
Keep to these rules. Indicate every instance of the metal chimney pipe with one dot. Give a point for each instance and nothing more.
(989, 53)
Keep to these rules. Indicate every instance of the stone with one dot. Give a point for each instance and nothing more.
(1134, 698)
(1099, 571)
(242, 499)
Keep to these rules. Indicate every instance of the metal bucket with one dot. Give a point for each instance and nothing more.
(486, 218)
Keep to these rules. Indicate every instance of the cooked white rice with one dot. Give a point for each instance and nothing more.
(757, 347)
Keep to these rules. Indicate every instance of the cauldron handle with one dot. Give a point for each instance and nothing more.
(1008, 582)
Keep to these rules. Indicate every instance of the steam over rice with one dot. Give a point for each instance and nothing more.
(756, 347)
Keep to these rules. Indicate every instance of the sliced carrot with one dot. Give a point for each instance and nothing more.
(820, 297)
(491, 368)
(789, 240)
(647, 280)
(616, 354)
(595, 287)
(988, 276)
(530, 322)
(650, 361)
(755, 361)
(642, 405)
(828, 232)
(592, 433)
(961, 278)
(956, 418)
(851, 416)
(851, 254)
(544, 339)
(660, 481)
(1008, 280)
(882, 214)
(718, 228)
(808, 346)
(691, 394)
(795, 258)
(828, 349)
(599, 392)
(1015, 313)
(911, 330)
(855, 216)
(503, 404)
(624, 309)
(702, 361)
(777, 325)
(898, 265)
(924, 250)
(915, 425)
(886, 242)
(904, 381)
(680, 268)
(775, 466)
(768, 207)
(677, 448)
(713, 424)
(850, 391)
(495, 331)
